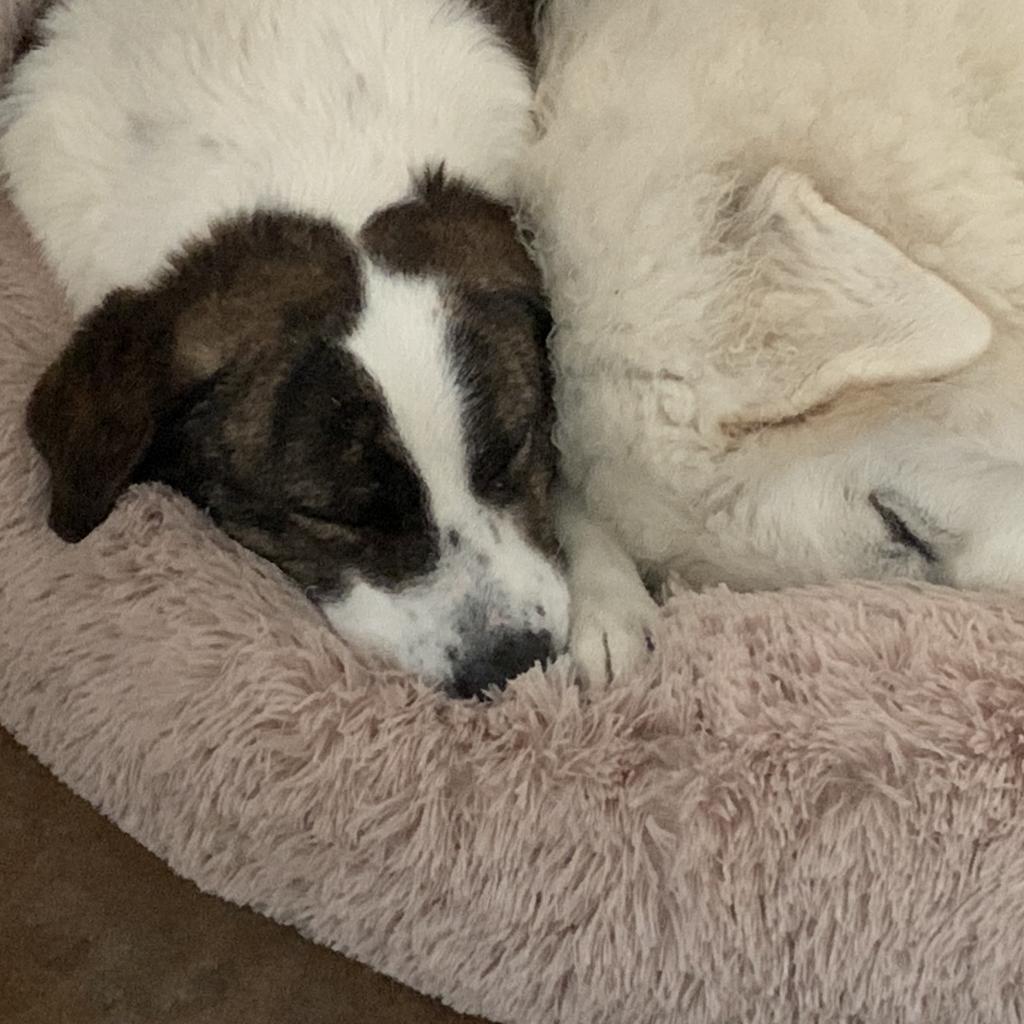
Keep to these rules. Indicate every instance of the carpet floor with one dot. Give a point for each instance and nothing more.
(96, 930)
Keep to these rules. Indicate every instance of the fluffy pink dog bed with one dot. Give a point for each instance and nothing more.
(808, 810)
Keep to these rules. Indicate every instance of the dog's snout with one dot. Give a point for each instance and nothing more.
(501, 659)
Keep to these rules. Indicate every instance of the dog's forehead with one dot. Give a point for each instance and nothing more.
(405, 309)
(469, 244)
(402, 342)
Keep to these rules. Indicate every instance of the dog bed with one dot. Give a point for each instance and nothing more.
(806, 808)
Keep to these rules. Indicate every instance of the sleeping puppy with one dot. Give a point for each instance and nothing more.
(784, 242)
(304, 303)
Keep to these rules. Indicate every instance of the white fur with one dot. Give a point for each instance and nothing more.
(785, 245)
(324, 106)
(143, 121)
(490, 579)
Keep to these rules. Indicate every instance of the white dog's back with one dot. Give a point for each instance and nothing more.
(222, 76)
(908, 114)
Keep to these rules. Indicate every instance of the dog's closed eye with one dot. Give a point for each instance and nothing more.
(323, 528)
(899, 532)
(498, 463)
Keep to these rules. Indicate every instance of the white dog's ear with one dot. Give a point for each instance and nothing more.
(833, 305)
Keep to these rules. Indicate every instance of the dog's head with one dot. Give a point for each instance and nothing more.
(873, 424)
(372, 415)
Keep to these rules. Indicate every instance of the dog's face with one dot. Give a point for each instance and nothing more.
(878, 433)
(372, 415)
(901, 484)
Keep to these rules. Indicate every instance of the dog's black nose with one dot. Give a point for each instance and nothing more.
(499, 660)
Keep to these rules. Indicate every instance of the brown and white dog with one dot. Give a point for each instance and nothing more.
(303, 301)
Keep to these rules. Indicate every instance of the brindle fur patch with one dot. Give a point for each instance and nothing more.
(448, 229)
(226, 380)
(509, 411)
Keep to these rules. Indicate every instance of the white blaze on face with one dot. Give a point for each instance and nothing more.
(490, 581)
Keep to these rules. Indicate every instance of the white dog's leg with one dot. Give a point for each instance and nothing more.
(610, 609)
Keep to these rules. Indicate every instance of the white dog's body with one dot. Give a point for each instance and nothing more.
(324, 110)
(756, 388)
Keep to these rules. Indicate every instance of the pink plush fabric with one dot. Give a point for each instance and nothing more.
(807, 809)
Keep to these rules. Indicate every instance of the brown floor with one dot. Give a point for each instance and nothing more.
(95, 929)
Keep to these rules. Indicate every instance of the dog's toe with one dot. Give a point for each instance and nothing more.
(608, 641)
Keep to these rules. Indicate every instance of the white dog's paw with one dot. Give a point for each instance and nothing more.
(610, 637)
(610, 610)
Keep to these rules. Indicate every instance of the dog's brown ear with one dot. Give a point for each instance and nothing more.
(93, 413)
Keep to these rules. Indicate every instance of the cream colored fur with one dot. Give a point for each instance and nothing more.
(785, 244)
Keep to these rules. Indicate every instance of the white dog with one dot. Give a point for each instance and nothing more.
(292, 314)
(784, 241)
